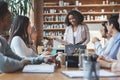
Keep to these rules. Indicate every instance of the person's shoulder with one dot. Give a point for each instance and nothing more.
(68, 27)
(16, 38)
(83, 25)
(118, 36)
(2, 40)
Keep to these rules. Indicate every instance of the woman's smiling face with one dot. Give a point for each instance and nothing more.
(72, 20)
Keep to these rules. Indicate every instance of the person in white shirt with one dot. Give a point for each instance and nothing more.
(19, 37)
(19, 40)
(76, 31)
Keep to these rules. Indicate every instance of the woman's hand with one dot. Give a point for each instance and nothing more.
(95, 39)
(104, 63)
(50, 59)
(46, 53)
(26, 62)
(103, 58)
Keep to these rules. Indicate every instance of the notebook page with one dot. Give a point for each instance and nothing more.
(40, 68)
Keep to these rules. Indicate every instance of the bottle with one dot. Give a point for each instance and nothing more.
(107, 2)
(61, 2)
(56, 18)
(77, 3)
(90, 67)
(82, 53)
(88, 17)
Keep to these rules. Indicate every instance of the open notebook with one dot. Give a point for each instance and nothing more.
(40, 68)
(80, 74)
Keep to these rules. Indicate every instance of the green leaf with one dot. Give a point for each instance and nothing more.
(20, 7)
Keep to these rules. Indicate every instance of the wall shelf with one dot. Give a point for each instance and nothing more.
(48, 14)
(94, 11)
(86, 5)
(55, 29)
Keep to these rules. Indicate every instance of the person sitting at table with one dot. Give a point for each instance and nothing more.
(114, 64)
(114, 30)
(20, 37)
(9, 61)
(108, 45)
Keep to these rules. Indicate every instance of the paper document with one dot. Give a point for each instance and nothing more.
(62, 41)
(80, 74)
(40, 68)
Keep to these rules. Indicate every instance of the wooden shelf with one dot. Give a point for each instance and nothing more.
(45, 14)
(92, 21)
(95, 21)
(54, 29)
(53, 21)
(47, 37)
(56, 6)
(100, 13)
(50, 3)
(88, 5)
(49, 14)
(99, 5)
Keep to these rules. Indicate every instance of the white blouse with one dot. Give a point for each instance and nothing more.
(19, 47)
(82, 35)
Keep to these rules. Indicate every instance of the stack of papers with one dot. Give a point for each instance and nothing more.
(80, 74)
(41, 68)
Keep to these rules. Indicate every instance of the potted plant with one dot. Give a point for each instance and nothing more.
(20, 7)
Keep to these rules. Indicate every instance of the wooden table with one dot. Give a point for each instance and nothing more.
(38, 76)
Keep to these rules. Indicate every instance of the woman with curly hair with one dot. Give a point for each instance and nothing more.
(76, 31)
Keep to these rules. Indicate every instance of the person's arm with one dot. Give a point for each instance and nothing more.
(115, 66)
(5, 48)
(98, 47)
(11, 54)
(65, 34)
(107, 48)
(105, 64)
(8, 64)
(87, 35)
(20, 48)
(62, 41)
(113, 51)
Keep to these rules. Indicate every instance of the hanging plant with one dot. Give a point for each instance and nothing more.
(20, 7)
